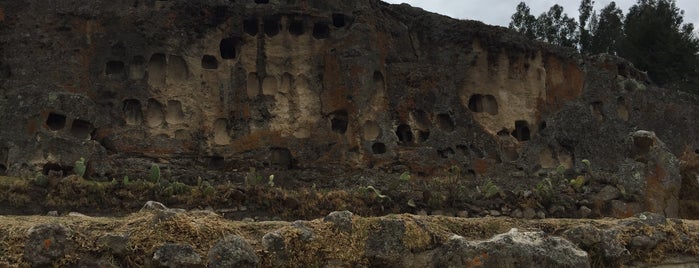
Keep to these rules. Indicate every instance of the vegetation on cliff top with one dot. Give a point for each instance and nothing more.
(652, 35)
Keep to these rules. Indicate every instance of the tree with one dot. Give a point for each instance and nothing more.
(586, 11)
(556, 27)
(607, 31)
(523, 21)
(656, 40)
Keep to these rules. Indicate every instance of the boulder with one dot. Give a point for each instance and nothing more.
(273, 243)
(599, 243)
(177, 255)
(116, 244)
(47, 243)
(232, 251)
(511, 249)
(341, 220)
(384, 245)
(651, 175)
(153, 206)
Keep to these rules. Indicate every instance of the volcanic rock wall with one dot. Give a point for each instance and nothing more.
(219, 86)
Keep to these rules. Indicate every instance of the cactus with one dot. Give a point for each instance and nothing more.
(80, 167)
(578, 183)
(155, 173)
(270, 181)
(405, 177)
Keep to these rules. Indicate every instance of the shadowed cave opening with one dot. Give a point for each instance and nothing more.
(262, 1)
(446, 153)
(404, 133)
(378, 148)
(156, 69)
(154, 114)
(421, 118)
(176, 69)
(137, 67)
(56, 121)
(216, 162)
(271, 26)
(270, 87)
(114, 67)
(174, 114)
(251, 26)
(445, 123)
(221, 136)
(296, 27)
(479, 104)
(3, 169)
(56, 168)
(281, 157)
(81, 129)
(339, 121)
(321, 30)
(339, 20)
(423, 135)
(209, 62)
(133, 114)
(227, 48)
(521, 132)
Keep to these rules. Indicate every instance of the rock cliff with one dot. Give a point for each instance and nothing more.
(211, 88)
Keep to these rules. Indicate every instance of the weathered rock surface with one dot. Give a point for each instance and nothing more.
(47, 243)
(652, 174)
(512, 249)
(210, 88)
(232, 251)
(177, 256)
(342, 220)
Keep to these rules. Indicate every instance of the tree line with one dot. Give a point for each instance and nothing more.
(652, 35)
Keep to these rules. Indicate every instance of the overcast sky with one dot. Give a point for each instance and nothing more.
(498, 12)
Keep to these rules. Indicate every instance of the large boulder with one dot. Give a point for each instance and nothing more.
(385, 246)
(233, 251)
(177, 256)
(47, 243)
(650, 175)
(511, 249)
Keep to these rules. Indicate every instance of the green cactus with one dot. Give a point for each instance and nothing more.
(490, 189)
(80, 167)
(578, 183)
(176, 188)
(405, 177)
(270, 181)
(41, 180)
(155, 173)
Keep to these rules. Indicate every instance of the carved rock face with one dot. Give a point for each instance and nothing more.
(216, 87)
